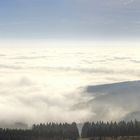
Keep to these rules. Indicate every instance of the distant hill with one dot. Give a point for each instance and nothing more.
(125, 87)
(116, 101)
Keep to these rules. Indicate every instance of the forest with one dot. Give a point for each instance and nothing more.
(49, 131)
(111, 129)
(66, 131)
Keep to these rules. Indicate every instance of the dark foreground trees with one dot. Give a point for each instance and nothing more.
(50, 131)
(111, 129)
(65, 131)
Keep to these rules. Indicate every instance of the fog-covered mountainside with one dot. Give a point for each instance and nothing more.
(115, 101)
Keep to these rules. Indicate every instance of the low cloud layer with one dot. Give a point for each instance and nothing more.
(52, 84)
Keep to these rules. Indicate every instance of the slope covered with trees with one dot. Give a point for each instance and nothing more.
(111, 129)
(63, 131)
(50, 131)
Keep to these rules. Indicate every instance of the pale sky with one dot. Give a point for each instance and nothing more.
(70, 19)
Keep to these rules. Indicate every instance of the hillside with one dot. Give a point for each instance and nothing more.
(114, 101)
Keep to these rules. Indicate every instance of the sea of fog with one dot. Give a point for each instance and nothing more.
(50, 83)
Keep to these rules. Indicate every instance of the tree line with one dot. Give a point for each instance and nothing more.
(110, 129)
(65, 131)
(50, 131)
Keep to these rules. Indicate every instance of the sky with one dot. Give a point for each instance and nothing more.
(70, 19)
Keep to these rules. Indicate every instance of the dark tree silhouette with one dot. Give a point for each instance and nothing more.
(50, 131)
(112, 129)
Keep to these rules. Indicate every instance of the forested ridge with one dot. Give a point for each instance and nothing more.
(110, 129)
(49, 131)
(65, 131)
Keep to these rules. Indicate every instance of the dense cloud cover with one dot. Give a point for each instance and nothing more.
(52, 84)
